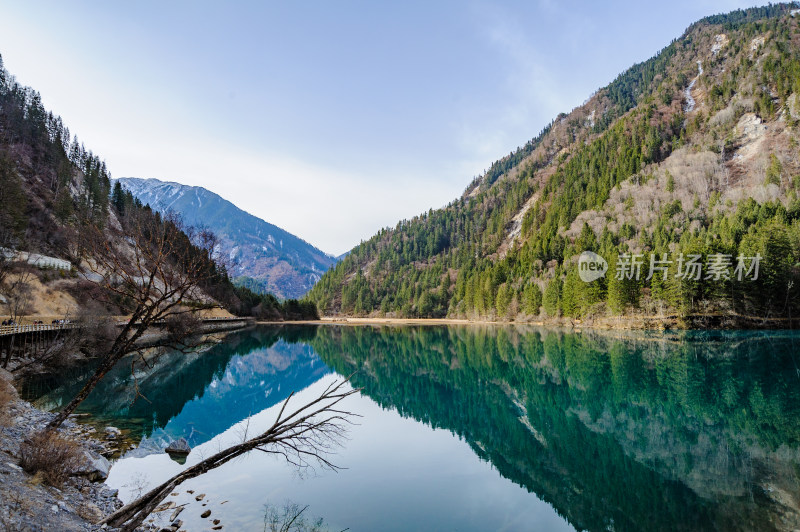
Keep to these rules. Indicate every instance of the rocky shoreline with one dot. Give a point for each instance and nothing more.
(28, 504)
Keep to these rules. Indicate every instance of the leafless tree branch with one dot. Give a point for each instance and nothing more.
(305, 437)
(156, 268)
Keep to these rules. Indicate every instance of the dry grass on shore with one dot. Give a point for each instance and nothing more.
(49, 456)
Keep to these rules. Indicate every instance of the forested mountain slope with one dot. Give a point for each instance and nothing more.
(53, 193)
(260, 254)
(691, 153)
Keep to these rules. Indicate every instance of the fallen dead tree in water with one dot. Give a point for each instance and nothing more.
(304, 437)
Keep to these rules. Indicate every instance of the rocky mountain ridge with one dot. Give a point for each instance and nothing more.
(260, 255)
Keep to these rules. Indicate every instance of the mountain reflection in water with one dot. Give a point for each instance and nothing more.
(622, 431)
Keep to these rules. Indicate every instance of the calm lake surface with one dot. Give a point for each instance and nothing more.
(478, 427)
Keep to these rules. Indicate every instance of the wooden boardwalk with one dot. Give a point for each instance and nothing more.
(10, 330)
(21, 339)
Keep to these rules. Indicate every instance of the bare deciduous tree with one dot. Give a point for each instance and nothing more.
(305, 437)
(6, 256)
(155, 268)
(18, 292)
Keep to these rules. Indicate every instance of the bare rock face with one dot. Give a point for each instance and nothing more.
(793, 106)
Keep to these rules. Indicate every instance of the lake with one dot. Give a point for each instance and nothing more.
(476, 427)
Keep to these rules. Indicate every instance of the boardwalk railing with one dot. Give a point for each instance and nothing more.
(25, 340)
(8, 330)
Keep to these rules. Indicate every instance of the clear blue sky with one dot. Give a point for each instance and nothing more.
(329, 119)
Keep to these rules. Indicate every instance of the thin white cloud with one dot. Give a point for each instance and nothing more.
(534, 92)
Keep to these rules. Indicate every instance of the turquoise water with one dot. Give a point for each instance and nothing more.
(479, 428)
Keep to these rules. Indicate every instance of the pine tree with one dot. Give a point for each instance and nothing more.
(504, 297)
(531, 299)
(571, 294)
(552, 297)
(118, 198)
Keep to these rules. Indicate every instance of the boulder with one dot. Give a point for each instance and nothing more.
(112, 433)
(91, 512)
(93, 466)
(179, 446)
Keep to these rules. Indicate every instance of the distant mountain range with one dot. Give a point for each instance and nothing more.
(260, 255)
